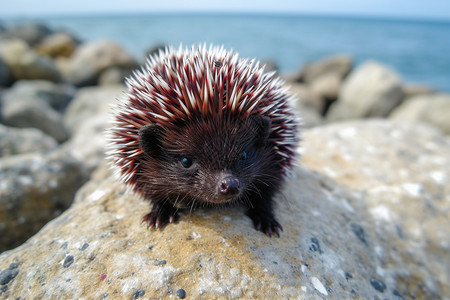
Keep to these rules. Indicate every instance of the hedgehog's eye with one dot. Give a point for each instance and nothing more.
(186, 162)
(243, 155)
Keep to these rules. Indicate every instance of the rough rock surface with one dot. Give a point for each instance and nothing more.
(372, 90)
(15, 141)
(34, 188)
(91, 59)
(433, 109)
(338, 242)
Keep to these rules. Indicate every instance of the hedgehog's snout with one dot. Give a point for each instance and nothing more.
(229, 186)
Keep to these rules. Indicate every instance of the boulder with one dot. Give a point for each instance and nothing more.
(91, 59)
(25, 63)
(327, 86)
(433, 109)
(31, 33)
(413, 90)
(373, 230)
(113, 76)
(15, 141)
(57, 44)
(92, 102)
(307, 97)
(30, 112)
(35, 188)
(57, 96)
(339, 65)
(372, 90)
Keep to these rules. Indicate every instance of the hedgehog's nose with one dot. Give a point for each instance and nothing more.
(229, 186)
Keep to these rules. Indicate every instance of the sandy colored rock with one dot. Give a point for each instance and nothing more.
(57, 44)
(339, 65)
(337, 243)
(25, 63)
(91, 59)
(372, 90)
(307, 97)
(433, 109)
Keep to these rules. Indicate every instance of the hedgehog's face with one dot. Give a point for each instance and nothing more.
(210, 161)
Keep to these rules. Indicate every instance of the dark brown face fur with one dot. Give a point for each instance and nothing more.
(212, 161)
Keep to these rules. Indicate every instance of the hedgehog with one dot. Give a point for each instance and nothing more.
(201, 126)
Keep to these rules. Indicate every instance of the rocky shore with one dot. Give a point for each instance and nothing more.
(366, 212)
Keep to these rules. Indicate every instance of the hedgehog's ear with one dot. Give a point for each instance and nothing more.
(150, 140)
(262, 125)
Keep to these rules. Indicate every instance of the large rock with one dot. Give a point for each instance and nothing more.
(91, 59)
(338, 65)
(30, 112)
(372, 90)
(58, 44)
(307, 97)
(34, 188)
(338, 242)
(15, 141)
(25, 63)
(57, 96)
(92, 102)
(433, 109)
(87, 118)
(31, 33)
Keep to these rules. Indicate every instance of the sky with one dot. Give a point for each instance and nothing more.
(422, 9)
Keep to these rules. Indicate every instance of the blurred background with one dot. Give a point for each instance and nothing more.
(410, 36)
(63, 63)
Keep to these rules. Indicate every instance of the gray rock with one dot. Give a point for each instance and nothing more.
(35, 188)
(31, 33)
(327, 86)
(372, 90)
(113, 76)
(308, 117)
(339, 65)
(376, 229)
(92, 102)
(58, 44)
(25, 63)
(57, 96)
(307, 97)
(433, 109)
(413, 90)
(91, 59)
(15, 141)
(29, 112)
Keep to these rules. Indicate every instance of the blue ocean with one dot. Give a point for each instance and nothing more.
(418, 50)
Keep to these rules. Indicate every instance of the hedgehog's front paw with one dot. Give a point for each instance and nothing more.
(160, 216)
(265, 223)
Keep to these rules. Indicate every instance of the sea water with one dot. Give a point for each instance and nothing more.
(418, 50)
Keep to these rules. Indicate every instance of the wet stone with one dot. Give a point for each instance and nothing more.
(181, 294)
(160, 262)
(68, 261)
(84, 247)
(315, 246)
(378, 285)
(7, 275)
(359, 232)
(138, 294)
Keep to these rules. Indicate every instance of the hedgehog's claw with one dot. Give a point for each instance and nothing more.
(266, 224)
(160, 218)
